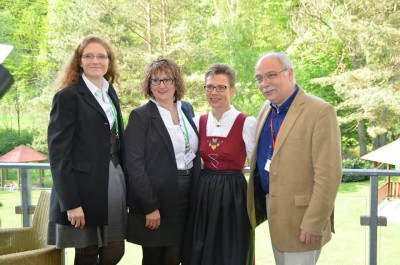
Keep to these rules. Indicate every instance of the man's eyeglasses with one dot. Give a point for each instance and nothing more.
(210, 88)
(270, 75)
(90, 57)
(166, 81)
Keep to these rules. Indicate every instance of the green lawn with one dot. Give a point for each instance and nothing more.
(348, 246)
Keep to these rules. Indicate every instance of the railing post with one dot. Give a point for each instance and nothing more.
(26, 197)
(373, 229)
(373, 220)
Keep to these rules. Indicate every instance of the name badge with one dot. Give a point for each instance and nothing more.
(189, 156)
(267, 165)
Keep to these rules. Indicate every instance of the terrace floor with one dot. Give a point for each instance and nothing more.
(391, 209)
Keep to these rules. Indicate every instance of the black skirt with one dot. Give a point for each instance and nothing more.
(221, 233)
(171, 229)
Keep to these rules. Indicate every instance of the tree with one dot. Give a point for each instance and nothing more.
(354, 37)
(25, 27)
(339, 48)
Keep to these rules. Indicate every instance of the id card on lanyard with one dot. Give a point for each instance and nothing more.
(189, 153)
(274, 140)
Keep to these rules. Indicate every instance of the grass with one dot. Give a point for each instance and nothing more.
(348, 246)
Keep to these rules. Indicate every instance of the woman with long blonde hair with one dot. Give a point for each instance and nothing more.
(85, 140)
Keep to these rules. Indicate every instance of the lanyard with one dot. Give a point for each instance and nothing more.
(113, 111)
(274, 139)
(185, 133)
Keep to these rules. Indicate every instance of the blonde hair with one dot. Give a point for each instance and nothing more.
(72, 70)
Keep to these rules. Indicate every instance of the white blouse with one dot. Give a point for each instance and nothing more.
(178, 133)
(97, 93)
(222, 127)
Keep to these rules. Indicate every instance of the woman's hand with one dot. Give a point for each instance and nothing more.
(76, 217)
(153, 220)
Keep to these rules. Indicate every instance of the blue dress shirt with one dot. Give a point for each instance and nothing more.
(268, 137)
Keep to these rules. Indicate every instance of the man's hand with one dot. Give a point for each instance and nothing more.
(307, 238)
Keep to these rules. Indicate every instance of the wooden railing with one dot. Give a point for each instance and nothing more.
(383, 192)
(389, 190)
(394, 190)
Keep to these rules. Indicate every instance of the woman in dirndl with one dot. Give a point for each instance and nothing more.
(219, 232)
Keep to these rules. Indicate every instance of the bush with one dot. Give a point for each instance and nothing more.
(355, 164)
(10, 139)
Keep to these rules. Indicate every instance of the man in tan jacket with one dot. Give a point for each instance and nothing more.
(295, 169)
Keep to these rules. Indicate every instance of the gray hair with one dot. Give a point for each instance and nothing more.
(282, 57)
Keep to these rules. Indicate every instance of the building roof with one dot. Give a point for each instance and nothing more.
(22, 154)
(389, 154)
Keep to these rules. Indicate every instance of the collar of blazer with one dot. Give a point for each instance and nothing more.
(189, 113)
(159, 125)
(113, 96)
(91, 100)
(294, 111)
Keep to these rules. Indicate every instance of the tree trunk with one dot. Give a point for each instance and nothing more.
(375, 138)
(149, 40)
(382, 139)
(164, 24)
(361, 137)
(384, 122)
(18, 111)
(375, 143)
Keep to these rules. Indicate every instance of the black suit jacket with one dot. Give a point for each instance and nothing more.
(151, 164)
(79, 152)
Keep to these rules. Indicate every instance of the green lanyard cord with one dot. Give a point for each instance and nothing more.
(185, 133)
(113, 111)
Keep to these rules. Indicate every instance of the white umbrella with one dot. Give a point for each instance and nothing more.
(389, 154)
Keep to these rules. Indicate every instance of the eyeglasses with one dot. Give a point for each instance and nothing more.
(210, 88)
(270, 75)
(166, 81)
(90, 57)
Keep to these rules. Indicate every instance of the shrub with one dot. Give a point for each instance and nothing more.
(355, 164)
(10, 139)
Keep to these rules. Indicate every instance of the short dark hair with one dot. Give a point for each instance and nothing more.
(222, 69)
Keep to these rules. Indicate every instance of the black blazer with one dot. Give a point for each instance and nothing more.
(151, 164)
(79, 152)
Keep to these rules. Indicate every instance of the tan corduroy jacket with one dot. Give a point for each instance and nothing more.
(305, 174)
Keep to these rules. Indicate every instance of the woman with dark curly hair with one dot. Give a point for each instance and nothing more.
(162, 159)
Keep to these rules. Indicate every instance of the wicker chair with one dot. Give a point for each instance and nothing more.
(27, 245)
